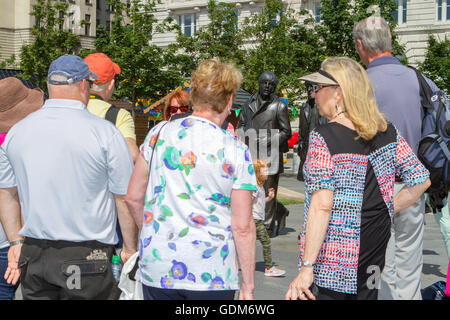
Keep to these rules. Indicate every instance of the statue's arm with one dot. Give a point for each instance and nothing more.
(284, 123)
(243, 117)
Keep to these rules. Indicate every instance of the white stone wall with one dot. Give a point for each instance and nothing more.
(16, 23)
(421, 20)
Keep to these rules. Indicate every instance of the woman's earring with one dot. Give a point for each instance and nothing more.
(337, 106)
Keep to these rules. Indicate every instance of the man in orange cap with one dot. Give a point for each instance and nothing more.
(101, 92)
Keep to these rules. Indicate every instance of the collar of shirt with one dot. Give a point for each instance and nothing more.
(383, 60)
(64, 103)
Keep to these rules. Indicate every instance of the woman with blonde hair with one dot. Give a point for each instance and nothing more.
(350, 170)
(191, 196)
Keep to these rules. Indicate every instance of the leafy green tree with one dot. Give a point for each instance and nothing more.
(146, 71)
(337, 18)
(275, 43)
(220, 38)
(436, 65)
(50, 41)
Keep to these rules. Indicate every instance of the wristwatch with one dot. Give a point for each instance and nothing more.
(306, 263)
(16, 242)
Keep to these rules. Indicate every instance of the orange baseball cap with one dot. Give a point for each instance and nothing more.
(102, 66)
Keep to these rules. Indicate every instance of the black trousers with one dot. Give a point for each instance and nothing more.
(62, 270)
(271, 206)
(152, 293)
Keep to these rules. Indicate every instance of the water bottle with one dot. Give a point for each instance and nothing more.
(116, 267)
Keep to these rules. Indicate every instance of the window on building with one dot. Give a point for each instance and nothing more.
(443, 10)
(448, 9)
(400, 13)
(87, 25)
(404, 7)
(61, 15)
(188, 24)
(317, 12)
(71, 21)
(98, 4)
(88, 2)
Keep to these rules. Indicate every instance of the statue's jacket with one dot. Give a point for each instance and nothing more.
(271, 115)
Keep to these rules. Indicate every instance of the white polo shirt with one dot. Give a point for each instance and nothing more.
(66, 164)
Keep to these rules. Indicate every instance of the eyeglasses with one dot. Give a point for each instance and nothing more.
(174, 109)
(316, 87)
(90, 82)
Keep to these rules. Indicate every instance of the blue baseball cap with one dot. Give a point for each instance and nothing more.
(72, 67)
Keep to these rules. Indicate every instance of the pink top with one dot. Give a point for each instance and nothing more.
(2, 137)
(447, 289)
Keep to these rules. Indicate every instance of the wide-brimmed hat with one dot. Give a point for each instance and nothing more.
(17, 101)
(320, 77)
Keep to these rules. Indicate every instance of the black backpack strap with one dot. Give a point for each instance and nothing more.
(425, 90)
(111, 114)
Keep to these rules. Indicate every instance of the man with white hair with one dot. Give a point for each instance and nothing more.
(397, 94)
(65, 171)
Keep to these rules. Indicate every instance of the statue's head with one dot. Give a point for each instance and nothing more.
(267, 84)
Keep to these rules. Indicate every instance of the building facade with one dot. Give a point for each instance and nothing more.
(16, 22)
(417, 19)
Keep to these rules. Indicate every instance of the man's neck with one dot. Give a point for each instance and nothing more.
(98, 95)
(262, 99)
(375, 56)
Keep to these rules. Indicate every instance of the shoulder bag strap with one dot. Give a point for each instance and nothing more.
(154, 149)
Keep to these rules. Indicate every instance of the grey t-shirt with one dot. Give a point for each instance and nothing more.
(397, 94)
(67, 165)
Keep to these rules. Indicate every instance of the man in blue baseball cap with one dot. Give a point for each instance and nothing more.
(70, 169)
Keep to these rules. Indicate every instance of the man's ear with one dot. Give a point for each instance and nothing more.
(111, 84)
(359, 44)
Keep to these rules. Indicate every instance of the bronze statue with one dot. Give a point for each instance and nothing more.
(265, 123)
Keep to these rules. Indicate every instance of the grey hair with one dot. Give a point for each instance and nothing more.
(99, 88)
(374, 34)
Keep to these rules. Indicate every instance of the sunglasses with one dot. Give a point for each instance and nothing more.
(174, 109)
(316, 87)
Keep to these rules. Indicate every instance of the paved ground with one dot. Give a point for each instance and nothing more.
(285, 250)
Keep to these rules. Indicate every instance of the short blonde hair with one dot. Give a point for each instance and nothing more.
(212, 85)
(259, 165)
(359, 98)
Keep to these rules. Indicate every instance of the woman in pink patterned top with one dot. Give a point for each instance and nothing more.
(350, 170)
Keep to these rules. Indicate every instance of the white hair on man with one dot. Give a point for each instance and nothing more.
(374, 34)
(99, 88)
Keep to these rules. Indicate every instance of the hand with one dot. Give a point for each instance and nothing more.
(126, 254)
(299, 288)
(13, 271)
(271, 193)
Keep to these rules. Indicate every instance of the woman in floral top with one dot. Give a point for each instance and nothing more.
(350, 171)
(193, 204)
